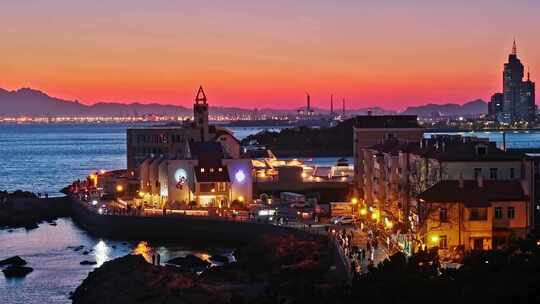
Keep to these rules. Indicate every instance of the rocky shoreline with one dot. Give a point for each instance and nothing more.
(276, 269)
(21, 209)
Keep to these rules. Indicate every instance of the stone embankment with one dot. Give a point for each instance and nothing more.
(24, 209)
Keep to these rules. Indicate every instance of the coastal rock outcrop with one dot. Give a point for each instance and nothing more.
(276, 269)
(17, 271)
(24, 209)
(130, 279)
(13, 261)
(189, 261)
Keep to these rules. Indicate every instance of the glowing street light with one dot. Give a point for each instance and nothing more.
(363, 211)
(435, 238)
(119, 188)
(354, 201)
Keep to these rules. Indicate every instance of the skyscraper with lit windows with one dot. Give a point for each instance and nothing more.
(517, 101)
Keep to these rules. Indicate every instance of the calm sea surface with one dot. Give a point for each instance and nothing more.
(44, 158)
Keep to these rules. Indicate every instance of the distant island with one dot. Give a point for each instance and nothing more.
(35, 103)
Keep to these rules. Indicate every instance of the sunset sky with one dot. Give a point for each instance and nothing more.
(249, 53)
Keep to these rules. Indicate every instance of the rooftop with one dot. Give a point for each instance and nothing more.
(450, 191)
(469, 151)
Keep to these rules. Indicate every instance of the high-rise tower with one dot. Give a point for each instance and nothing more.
(517, 101)
(512, 78)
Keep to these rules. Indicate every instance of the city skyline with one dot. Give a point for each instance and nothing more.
(389, 54)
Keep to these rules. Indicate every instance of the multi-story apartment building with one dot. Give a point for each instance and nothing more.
(372, 130)
(396, 173)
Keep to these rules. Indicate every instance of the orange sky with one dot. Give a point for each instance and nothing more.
(266, 54)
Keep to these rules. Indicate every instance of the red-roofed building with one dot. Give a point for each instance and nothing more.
(475, 214)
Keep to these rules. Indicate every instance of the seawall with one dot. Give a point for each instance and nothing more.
(178, 228)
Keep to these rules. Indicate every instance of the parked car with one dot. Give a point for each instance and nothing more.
(346, 220)
(335, 220)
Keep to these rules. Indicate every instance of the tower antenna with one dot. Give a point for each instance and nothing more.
(514, 47)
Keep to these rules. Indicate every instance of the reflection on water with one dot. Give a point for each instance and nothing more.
(143, 249)
(55, 254)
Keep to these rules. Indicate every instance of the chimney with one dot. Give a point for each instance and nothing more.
(460, 181)
(480, 181)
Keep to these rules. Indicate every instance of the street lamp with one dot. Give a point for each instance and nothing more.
(119, 188)
(363, 211)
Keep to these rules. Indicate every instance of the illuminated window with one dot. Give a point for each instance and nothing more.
(211, 169)
(202, 169)
(220, 169)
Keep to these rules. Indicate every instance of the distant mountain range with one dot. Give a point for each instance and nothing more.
(32, 102)
(472, 108)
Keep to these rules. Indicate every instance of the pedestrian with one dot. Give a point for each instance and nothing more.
(158, 259)
(153, 259)
(164, 210)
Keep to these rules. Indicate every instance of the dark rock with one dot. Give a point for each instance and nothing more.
(17, 271)
(10, 230)
(88, 263)
(78, 248)
(14, 261)
(189, 261)
(131, 279)
(86, 252)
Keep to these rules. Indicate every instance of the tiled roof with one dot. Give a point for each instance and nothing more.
(211, 174)
(449, 191)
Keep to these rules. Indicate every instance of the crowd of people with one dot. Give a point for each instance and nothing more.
(358, 248)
